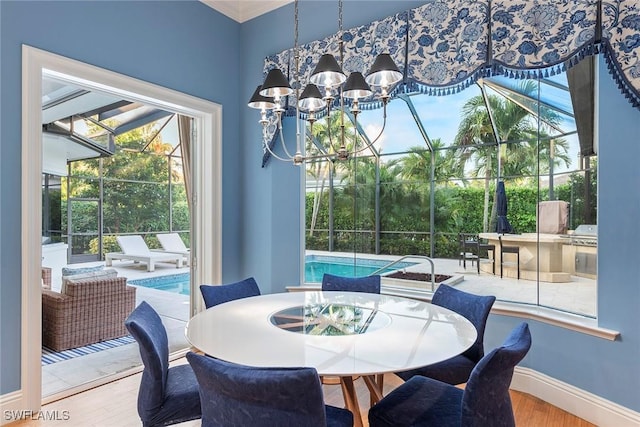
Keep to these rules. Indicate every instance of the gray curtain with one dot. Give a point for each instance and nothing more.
(184, 134)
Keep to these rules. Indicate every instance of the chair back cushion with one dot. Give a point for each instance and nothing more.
(69, 271)
(90, 276)
(218, 294)
(486, 399)
(475, 308)
(237, 396)
(146, 327)
(369, 284)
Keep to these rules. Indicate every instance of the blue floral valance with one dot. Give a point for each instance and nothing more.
(621, 42)
(538, 34)
(445, 45)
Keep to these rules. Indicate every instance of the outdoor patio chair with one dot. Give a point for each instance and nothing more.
(482, 251)
(504, 249)
(172, 243)
(484, 401)
(476, 309)
(89, 309)
(167, 395)
(468, 244)
(135, 249)
(237, 396)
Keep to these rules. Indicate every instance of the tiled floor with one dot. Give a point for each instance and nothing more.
(578, 296)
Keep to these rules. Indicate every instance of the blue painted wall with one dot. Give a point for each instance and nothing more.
(182, 45)
(608, 369)
(188, 47)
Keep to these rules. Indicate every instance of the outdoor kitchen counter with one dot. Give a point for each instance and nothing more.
(549, 248)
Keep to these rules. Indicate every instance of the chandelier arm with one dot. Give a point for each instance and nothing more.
(329, 127)
(266, 146)
(384, 124)
(323, 154)
(284, 146)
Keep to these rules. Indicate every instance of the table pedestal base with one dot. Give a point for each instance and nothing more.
(374, 384)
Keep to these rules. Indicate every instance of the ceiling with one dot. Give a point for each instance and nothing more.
(244, 10)
(70, 111)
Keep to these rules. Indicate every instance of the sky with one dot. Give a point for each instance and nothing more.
(440, 116)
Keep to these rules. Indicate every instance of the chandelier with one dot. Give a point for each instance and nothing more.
(338, 91)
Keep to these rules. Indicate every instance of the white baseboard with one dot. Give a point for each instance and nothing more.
(11, 407)
(578, 402)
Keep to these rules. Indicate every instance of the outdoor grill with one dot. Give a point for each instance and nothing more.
(585, 240)
(585, 235)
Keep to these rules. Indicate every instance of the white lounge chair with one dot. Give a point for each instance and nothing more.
(172, 243)
(135, 249)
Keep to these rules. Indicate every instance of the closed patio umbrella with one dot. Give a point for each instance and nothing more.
(502, 223)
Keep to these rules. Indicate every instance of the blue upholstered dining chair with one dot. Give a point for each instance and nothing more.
(237, 396)
(217, 294)
(485, 400)
(369, 284)
(167, 395)
(476, 309)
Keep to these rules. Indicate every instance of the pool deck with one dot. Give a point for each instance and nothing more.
(578, 296)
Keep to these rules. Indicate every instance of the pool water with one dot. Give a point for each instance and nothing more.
(314, 268)
(176, 283)
(316, 265)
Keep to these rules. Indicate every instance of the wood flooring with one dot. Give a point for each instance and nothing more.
(114, 405)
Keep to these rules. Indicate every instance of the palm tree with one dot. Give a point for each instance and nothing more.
(515, 127)
(416, 166)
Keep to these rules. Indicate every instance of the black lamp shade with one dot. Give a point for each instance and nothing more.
(260, 102)
(275, 84)
(384, 72)
(327, 72)
(356, 87)
(311, 99)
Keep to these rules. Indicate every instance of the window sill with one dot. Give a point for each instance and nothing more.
(541, 314)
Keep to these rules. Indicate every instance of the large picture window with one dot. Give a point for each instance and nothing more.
(435, 172)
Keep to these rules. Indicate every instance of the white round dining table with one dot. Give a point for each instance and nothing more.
(398, 333)
(343, 334)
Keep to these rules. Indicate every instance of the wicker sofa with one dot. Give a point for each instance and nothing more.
(88, 312)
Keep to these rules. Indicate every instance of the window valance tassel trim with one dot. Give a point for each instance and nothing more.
(619, 78)
(413, 86)
(447, 45)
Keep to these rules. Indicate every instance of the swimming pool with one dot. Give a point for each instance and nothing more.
(314, 268)
(176, 283)
(316, 265)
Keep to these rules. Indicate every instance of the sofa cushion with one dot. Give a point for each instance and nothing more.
(87, 277)
(66, 271)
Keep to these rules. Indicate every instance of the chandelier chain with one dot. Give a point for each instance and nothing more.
(296, 54)
(340, 35)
